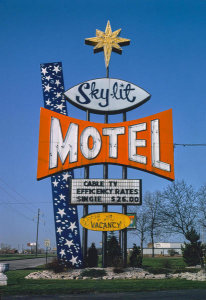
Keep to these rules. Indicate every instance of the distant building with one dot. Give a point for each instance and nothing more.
(163, 248)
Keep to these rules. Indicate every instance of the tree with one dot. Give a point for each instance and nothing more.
(113, 251)
(202, 205)
(178, 208)
(92, 256)
(193, 252)
(152, 203)
(135, 257)
(141, 224)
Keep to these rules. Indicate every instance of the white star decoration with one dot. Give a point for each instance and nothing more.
(48, 102)
(59, 230)
(61, 212)
(72, 226)
(69, 243)
(57, 82)
(56, 69)
(66, 176)
(58, 95)
(47, 88)
(55, 183)
(60, 106)
(62, 197)
(73, 260)
(62, 252)
(44, 71)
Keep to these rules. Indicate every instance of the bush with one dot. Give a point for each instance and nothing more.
(94, 273)
(183, 270)
(193, 252)
(92, 258)
(58, 266)
(114, 252)
(135, 257)
(118, 270)
(157, 270)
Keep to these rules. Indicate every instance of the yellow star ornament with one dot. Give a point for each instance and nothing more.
(107, 41)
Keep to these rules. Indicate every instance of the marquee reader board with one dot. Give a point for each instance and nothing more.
(106, 191)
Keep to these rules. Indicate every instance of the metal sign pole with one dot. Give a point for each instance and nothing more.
(124, 211)
(105, 208)
(85, 212)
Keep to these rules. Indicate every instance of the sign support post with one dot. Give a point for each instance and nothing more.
(124, 211)
(105, 209)
(85, 210)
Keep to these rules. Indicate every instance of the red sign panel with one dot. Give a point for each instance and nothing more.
(145, 144)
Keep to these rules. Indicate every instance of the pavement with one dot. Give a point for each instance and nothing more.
(26, 263)
(160, 295)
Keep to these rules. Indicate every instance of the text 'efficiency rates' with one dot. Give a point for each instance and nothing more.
(99, 191)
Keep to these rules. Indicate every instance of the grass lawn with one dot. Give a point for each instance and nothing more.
(166, 264)
(159, 261)
(17, 285)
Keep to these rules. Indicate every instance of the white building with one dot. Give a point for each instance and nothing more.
(163, 248)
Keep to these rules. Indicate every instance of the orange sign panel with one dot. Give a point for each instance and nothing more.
(66, 143)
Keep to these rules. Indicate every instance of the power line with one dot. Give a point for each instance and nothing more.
(188, 145)
(19, 212)
(14, 191)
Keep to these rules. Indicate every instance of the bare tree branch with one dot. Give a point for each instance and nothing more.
(179, 208)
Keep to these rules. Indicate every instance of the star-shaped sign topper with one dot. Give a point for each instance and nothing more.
(107, 41)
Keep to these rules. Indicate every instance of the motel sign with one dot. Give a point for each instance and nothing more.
(66, 143)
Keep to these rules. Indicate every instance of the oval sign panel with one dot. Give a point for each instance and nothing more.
(105, 221)
(106, 95)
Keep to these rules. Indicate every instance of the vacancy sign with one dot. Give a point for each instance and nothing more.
(105, 221)
(66, 143)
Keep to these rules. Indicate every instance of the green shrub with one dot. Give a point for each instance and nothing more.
(113, 252)
(135, 257)
(92, 258)
(94, 273)
(183, 270)
(193, 252)
(158, 270)
(118, 270)
(58, 266)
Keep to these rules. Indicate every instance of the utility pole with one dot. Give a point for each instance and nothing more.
(37, 231)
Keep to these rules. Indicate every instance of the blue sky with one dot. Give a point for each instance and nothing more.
(166, 57)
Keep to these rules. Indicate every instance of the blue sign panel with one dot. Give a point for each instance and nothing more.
(65, 215)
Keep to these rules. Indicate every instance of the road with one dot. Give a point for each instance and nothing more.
(160, 295)
(26, 263)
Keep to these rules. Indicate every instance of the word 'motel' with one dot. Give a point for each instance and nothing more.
(69, 145)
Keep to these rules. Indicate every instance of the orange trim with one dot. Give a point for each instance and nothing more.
(165, 137)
